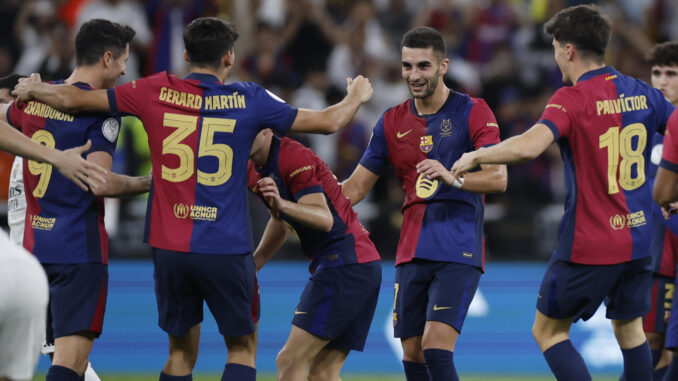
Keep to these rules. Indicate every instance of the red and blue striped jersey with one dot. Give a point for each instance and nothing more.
(604, 126)
(200, 132)
(441, 223)
(298, 171)
(64, 224)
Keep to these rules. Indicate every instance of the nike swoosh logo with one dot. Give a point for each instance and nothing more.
(299, 312)
(436, 308)
(400, 135)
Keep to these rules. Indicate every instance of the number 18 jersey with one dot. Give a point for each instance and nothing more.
(200, 132)
(604, 126)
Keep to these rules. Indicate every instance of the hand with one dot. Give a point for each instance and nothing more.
(360, 86)
(434, 170)
(22, 91)
(465, 163)
(71, 164)
(270, 192)
(672, 209)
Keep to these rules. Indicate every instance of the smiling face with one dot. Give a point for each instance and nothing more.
(665, 79)
(422, 71)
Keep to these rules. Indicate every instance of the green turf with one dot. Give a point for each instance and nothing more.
(344, 377)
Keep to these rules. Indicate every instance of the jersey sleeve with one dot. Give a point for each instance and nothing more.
(104, 135)
(375, 157)
(299, 173)
(670, 152)
(252, 177)
(15, 114)
(274, 112)
(557, 114)
(130, 98)
(483, 125)
(665, 109)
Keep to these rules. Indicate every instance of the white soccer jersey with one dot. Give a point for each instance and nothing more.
(16, 203)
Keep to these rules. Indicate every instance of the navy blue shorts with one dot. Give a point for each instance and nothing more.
(672, 325)
(338, 304)
(432, 291)
(77, 299)
(662, 297)
(227, 283)
(573, 290)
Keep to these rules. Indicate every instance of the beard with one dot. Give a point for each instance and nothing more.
(430, 86)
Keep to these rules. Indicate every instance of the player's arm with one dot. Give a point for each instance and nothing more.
(117, 185)
(359, 184)
(274, 237)
(665, 187)
(515, 150)
(310, 210)
(3, 111)
(66, 98)
(492, 178)
(333, 118)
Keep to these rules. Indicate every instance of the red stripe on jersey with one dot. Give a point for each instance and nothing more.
(409, 233)
(98, 318)
(669, 253)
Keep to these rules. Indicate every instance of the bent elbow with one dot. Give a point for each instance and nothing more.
(327, 223)
(660, 197)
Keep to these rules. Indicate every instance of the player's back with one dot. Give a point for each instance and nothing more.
(200, 132)
(64, 224)
(604, 126)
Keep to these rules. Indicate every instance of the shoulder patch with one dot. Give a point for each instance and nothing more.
(110, 129)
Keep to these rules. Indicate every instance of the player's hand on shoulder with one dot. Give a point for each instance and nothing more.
(672, 209)
(269, 190)
(22, 90)
(360, 86)
(465, 163)
(433, 169)
(82, 172)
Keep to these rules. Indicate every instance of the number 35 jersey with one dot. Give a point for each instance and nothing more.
(604, 126)
(64, 224)
(200, 132)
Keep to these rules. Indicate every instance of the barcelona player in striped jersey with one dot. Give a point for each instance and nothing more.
(440, 255)
(603, 125)
(200, 134)
(64, 226)
(336, 308)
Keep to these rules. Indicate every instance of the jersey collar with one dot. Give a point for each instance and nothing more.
(449, 99)
(272, 161)
(203, 77)
(596, 72)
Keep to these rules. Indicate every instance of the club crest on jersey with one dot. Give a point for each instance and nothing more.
(445, 128)
(426, 143)
(110, 129)
(426, 187)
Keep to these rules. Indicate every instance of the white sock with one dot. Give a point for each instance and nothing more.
(90, 374)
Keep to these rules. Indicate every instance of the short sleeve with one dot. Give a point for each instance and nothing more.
(15, 114)
(104, 134)
(665, 110)
(252, 177)
(557, 114)
(483, 125)
(375, 157)
(670, 152)
(131, 97)
(299, 174)
(274, 112)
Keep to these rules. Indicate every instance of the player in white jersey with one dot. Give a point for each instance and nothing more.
(16, 203)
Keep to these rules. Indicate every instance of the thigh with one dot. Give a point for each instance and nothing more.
(630, 297)
(78, 294)
(410, 298)
(661, 299)
(450, 293)
(573, 291)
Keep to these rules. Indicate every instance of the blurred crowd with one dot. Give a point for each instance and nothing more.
(303, 50)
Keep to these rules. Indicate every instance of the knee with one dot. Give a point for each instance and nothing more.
(285, 359)
(184, 357)
(412, 350)
(324, 374)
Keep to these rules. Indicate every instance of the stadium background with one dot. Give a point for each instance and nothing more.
(303, 50)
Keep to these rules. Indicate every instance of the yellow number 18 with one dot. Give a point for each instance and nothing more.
(618, 144)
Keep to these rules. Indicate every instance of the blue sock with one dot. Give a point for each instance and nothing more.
(672, 370)
(238, 372)
(61, 373)
(657, 374)
(415, 371)
(440, 365)
(166, 377)
(637, 363)
(566, 363)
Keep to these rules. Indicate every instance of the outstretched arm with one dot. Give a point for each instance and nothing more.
(359, 184)
(333, 118)
(66, 98)
(117, 185)
(515, 150)
(492, 178)
(273, 238)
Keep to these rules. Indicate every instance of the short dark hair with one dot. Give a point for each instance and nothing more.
(98, 36)
(208, 39)
(584, 27)
(10, 81)
(664, 54)
(425, 37)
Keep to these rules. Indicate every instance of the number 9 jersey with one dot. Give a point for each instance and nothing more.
(604, 126)
(200, 132)
(63, 224)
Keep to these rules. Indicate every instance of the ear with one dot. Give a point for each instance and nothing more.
(186, 56)
(107, 59)
(570, 51)
(229, 58)
(444, 65)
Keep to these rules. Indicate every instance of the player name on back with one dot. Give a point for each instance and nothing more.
(195, 101)
(44, 111)
(621, 104)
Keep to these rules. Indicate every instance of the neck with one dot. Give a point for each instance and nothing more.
(220, 74)
(260, 157)
(86, 74)
(582, 67)
(432, 103)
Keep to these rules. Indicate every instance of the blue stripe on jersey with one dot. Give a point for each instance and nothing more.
(552, 127)
(668, 165)
(308, 190)
(567, 225)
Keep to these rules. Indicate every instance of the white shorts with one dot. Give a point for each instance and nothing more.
(24, 294)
